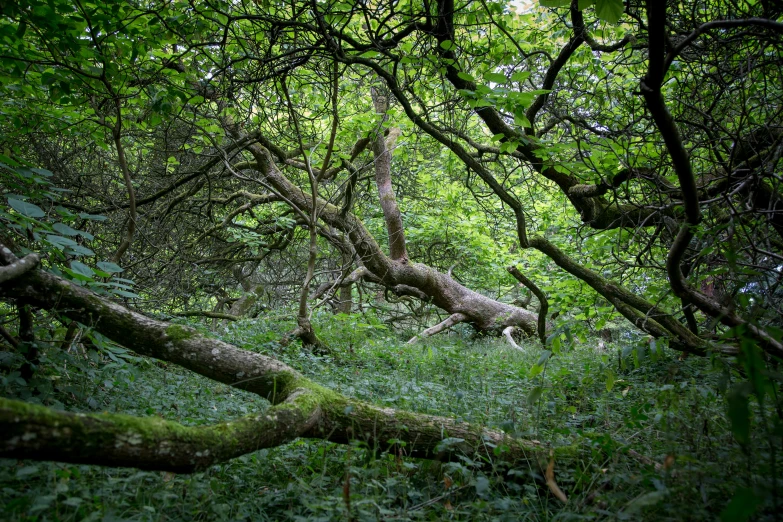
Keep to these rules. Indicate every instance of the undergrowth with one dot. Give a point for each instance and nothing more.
(656, 440)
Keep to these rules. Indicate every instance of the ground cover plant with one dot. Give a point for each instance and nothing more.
(322, 259)
(668, 413)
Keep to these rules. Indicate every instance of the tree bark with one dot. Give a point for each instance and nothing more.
(543, 307)
(444, 325)
(383, 147)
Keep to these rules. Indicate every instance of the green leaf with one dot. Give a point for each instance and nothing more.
(609, 10)
(64, 229)
(495, 77)
(449, 442)
(482, 486)
(743, 505)
(610, 379)
(80, 250)
(447, 45)
(77, 276)
(509, 146)
(465, 76)
(61, 242)
(25, 208)
(43, 172)
(647, 500)
(739, 413)
(535, 395)
(73, 502)
(556, 342)
(26, 471)
(92, 217)
(110, 267)
(555, 3)
(81, 268)
(584, 4)
(124, 293)
(534, 371)
(520, 76)
(545, 355)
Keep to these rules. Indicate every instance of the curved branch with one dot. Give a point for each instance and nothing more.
(18, 267)
(40, 433)
(544, 303)
(382, 150)
(444, 325)
(508, 333)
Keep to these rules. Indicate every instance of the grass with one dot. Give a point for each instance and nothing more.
(669, 411)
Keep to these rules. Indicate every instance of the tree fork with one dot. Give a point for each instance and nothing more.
(484, 313)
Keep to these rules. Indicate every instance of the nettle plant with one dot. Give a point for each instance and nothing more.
(37, 221)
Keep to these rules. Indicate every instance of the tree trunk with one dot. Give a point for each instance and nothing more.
(251, 293)
(345, 294)
(383, 147)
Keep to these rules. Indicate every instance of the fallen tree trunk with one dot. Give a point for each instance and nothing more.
(299, 406)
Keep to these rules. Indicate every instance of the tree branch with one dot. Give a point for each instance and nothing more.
(543, 309)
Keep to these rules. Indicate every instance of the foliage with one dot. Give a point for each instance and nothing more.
(58, 234)
(625, 155)
(666, 410)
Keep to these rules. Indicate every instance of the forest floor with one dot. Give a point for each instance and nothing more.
(655, 439)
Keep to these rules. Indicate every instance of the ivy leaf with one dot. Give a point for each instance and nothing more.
(25, 208)
(609, 10)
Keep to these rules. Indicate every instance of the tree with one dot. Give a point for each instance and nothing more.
(236, 126)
